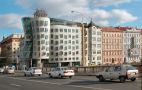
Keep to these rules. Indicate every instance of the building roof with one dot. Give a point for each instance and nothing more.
(40, 13)
(111, 29)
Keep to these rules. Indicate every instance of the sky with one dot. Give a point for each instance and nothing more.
(102, 12)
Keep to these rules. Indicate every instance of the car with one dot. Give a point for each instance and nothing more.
(122, 72)
(9, 70)
(1, 70)
(61, 72)
(32, 71)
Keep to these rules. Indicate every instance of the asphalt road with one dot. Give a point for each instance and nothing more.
(19, 82)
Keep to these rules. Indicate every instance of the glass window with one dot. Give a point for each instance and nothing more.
(42, 41)
(51, 47)
(41, 23)
(56, 30)
(51, 30)
(65, 30)
(42, 35)
(56, 37)
(61, 41)
(69, 30)
(61, 30)
(46, 23)
(46, 36)
(56, 42)
(52, 41)
(61, 35)
(51, 35)
(65, 36)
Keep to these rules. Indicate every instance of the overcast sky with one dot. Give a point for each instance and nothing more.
(102, 12)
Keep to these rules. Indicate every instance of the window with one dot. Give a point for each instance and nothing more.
(51, 30)
(76, 30)
(56, 30)
(52, 42)
(61, 41)
(66, 42)
(46, 36)
(61, 30)
(42, 41)
(56, 42)
(41, 23)
(61, 35)
(65, 36)
(42, 35)
(69, 30)
(56, 37)
(46, 23)
(51, 47)
(51, 35)
(65, 30)
(56, 48)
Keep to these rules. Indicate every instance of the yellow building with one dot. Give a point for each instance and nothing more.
(10, 48)
(112, 45)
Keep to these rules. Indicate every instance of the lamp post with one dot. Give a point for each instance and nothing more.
(82, 38)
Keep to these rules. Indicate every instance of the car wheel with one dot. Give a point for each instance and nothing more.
(70, 77)
(25, 75)
(122, 79)
(50, 76)
(60, 76)
(133, 79)
(31, 74)
(101, 78)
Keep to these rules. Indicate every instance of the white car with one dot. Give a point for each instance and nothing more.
(61, 72)
(33, 71)
(9, 70)
(1, 70)
(121, 72)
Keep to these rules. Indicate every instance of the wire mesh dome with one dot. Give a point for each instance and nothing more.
(40, 13)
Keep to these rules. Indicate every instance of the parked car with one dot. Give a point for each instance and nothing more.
(1, 70)
(122, 72)
(33, 71)
(9, 70)
(61, 72)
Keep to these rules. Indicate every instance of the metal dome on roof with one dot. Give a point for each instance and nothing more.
(40, 13)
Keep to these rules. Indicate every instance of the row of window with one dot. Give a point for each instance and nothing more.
(39, 23)
(112, 59)
(112, 46)
(56, 53)
(112, 35)
(65, 59)
(112, 53)
(64, 48)
(112, 40)
(65, 30)
(37, 30)
(64, 36)
(64, 42)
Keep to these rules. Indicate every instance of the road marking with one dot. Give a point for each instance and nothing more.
(57, 84)
(89, 87)
(15, 85)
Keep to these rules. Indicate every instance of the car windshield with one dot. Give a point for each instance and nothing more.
(129, 67)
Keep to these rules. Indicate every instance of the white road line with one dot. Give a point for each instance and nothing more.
(89, 87)
(15, 85)
(60, 84)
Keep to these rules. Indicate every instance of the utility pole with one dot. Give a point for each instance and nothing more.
(83, 61)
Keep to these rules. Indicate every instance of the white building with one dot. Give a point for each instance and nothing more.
(65, 45)
(50, 41)
(131, 45)
(94, 45)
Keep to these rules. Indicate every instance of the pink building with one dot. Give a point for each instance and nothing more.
(112, 45)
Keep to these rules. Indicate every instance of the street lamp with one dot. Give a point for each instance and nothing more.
(82, 33)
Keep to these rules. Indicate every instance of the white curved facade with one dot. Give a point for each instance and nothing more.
(65, 44)
(41, 32)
